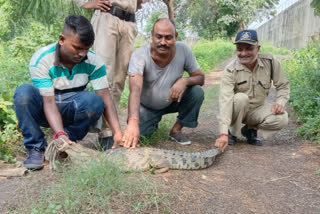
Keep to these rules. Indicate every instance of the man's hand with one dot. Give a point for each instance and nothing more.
(177, 90)
(103, 5)
(117, 139)
(66, 139)
(131, 134)
(277, 109)
(222, 142)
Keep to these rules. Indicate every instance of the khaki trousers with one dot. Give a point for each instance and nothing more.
(114, 43)
(259, 118)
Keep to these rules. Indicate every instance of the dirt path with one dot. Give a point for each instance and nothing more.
(279, 177)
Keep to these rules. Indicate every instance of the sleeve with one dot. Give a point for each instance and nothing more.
(191, 63)
(80, 3)
(98, 77)
(41, 79)
(281, 83)
(137, 63)
(226, 100)
(127, 5)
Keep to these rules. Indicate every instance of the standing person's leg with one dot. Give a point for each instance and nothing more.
(267, 123)
(106, 45)
(126, 44)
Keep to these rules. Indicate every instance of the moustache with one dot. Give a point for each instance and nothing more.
(244, 56)
(163, 46)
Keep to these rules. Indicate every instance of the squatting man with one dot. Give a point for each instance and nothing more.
(157, 86)
(245, 85)
(60, 73)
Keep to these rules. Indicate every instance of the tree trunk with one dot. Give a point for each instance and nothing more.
(169, 4)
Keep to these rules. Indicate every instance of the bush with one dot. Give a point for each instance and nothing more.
(303, 70)
(14, 59)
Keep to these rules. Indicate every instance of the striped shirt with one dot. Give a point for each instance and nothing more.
(48, 73)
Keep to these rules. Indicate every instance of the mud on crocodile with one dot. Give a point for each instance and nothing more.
(141, 158)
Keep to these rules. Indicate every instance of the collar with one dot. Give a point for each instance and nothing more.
(57, 61)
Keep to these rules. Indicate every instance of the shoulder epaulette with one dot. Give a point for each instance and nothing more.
(266, 56)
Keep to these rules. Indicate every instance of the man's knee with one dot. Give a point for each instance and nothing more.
(275, 122)
(23, 94)
(93, 105)
(240, 100)
(197, 93)
(282, 120)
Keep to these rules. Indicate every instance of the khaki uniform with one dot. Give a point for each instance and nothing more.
(243, 96)
(114, 43)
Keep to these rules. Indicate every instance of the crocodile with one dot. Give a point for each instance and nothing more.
(141, 158)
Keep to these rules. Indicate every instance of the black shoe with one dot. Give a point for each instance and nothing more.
(35, 159)
(231, 139)
(106, 142)
(251, 135)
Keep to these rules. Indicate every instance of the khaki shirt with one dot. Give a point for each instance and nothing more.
(127, 5)
(237, 78)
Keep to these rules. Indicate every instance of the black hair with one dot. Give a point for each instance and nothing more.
(81, 26)
(158, 20)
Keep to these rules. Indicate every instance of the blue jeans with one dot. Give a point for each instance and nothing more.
(79, 110)
(188, 109)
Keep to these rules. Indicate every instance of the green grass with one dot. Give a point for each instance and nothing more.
(162, 133)
(96, 187)
(210, 53)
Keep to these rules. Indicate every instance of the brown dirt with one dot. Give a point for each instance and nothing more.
(279, 177)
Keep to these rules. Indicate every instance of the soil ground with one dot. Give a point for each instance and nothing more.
(279, 177)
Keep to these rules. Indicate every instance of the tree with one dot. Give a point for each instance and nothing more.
(222, 17)
(316, 5)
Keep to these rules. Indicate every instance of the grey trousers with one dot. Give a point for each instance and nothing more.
(188, 109)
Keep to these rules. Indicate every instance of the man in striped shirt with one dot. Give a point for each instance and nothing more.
(60, 73)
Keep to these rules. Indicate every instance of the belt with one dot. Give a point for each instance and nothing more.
(122, 14)
(81, 88)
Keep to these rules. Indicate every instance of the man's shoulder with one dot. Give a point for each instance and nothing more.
(233, 65)
(142, 49)
(182, 45)
(141, 52)
(44, 53)
(265, 56)
(93, 58)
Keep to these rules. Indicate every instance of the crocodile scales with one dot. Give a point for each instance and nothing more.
(141, 158)
(144, 158)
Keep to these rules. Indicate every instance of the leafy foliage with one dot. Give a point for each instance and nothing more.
(212, 18)
(304, 74)
(316, 5)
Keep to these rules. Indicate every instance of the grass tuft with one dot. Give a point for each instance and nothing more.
(97, 187)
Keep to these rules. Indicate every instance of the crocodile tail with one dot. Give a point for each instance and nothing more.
(195, 160)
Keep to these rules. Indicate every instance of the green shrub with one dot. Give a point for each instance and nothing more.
(15, 55)
(267, 47)
(303, 71)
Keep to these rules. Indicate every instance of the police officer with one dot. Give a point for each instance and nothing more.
(115, 30)
(245, 85)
